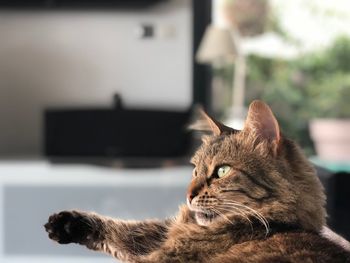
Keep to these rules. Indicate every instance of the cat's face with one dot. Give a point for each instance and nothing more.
(227, 180)
(253, 173)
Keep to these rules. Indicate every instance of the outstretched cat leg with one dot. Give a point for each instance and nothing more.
(125, 240)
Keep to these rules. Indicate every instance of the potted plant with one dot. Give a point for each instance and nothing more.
(312, 91)
(327, 103)
(330, 112)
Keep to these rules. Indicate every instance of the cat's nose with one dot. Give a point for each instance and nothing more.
(193, 190)
(190, 197)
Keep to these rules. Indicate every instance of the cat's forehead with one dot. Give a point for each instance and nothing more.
(213, 146)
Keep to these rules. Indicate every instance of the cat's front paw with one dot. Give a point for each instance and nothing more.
(69, 227)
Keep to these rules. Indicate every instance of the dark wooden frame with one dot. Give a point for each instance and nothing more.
(202, 12)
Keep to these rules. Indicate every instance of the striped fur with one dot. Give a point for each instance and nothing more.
(268, 208)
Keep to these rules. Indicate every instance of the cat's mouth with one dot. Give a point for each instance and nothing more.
(205, 217)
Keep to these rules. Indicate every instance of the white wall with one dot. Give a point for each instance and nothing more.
(82, 59)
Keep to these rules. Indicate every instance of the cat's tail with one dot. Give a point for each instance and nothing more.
(335, 238)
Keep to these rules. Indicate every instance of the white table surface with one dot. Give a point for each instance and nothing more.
(42, 173)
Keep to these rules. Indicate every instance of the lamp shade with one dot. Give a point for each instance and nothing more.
(217, 45)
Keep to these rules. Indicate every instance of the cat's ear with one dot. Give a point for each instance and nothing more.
(262, 123)
(207, 123)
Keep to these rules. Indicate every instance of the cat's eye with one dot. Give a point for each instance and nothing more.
(223, 171)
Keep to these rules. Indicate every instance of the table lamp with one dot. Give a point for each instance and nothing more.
(220, 46)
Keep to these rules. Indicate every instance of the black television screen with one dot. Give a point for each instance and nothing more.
(116, 133)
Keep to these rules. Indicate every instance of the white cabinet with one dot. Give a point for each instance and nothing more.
(32, 190)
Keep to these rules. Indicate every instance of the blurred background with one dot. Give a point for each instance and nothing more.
(96, 95)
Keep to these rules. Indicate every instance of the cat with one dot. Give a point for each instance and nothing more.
(253, 197)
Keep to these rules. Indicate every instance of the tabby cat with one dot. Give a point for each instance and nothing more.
(253, 197)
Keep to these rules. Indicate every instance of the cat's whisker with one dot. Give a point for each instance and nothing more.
(237, 210)
(255, 213)
(222, 215)
(242, 213)
(258, 215)
(246, 207)
(262, 222)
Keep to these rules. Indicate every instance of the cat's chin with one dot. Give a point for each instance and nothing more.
(205, 218)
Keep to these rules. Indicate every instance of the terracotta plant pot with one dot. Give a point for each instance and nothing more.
(250, 17)
(331, 138)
